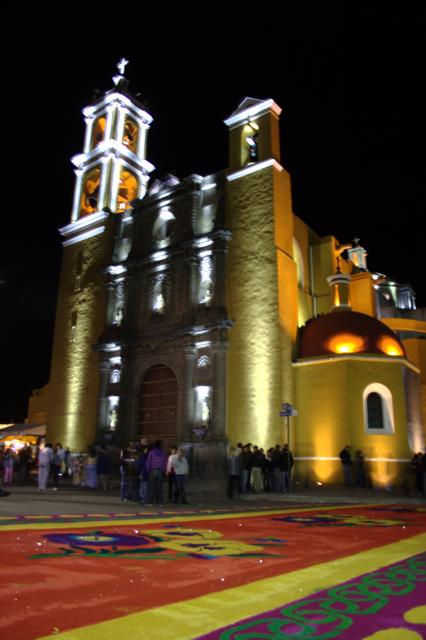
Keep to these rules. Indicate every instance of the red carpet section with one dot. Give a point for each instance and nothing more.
(57, 578)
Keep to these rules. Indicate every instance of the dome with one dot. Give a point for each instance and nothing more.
(348, 332)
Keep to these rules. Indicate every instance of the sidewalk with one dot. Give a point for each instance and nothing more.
(25, 499)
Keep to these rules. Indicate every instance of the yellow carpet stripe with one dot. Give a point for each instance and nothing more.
(196, 517)
(192, 618)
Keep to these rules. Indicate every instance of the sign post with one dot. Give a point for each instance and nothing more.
(288, 410)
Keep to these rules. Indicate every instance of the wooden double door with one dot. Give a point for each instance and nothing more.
(157, 413)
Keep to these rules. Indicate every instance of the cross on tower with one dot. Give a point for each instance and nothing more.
(122, 65)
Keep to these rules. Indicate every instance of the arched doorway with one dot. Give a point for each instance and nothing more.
(158, 405)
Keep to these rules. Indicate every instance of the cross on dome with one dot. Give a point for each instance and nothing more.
(121, 66)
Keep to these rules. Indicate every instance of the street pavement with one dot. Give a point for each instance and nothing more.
(26, 499)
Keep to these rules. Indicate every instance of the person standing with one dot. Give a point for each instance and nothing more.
(156, 463)
(91, 466)
(256, 470)
(25, 456)
(8, 464)
(142, 473)
(345, 457)
(359, 463)
(170, 473)
(128, 473)
(233, 461)
(286, 462)
(181, 469)
(45, 457)
(58, 464)
(103, 468)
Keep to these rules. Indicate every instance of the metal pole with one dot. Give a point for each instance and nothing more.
(288, 432)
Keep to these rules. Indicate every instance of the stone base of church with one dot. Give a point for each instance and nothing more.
(207, 460)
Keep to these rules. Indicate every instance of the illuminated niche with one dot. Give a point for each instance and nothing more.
(98, 132)
(90, 192)
(205, 290)
(159, 295)
(113, 402)
(249, 143)
(163, 228)
(202, 405)
(131, 134)
(128, 189)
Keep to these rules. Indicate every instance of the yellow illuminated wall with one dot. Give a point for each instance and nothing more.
(79, 322)
(262, 301)
(37, 406)
(416, 353)
(362, 293)
(323, 265)
(330, 396)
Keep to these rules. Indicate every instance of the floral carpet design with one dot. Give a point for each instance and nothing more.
(305, 572)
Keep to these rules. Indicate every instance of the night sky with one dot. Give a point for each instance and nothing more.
(350, 83)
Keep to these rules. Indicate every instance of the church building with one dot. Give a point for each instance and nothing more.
(203, 311)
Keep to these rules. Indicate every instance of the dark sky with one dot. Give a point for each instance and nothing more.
(350, 83)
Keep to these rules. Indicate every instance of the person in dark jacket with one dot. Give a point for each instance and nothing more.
(103, 467)
(285, 462)
(345, 457)
(156, 464)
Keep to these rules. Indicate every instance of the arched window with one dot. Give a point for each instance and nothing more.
(378, 409)
(131, 135)
(375, 411)
(90, 192)
(128, 190)
(98, 131)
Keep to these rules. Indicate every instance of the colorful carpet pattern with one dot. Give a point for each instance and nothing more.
(350, 573)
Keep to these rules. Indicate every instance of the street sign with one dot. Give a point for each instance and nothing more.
(287, 410)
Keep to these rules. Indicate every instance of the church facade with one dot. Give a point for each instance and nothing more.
(192, 310)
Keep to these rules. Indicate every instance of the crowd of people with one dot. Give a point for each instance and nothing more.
(142, 467)
(250, 469)
(147, 469)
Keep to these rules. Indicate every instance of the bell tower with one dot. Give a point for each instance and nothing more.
(112, 170)
(111, 173)
(261, 274)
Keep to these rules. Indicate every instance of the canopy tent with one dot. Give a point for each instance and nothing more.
(22, 430)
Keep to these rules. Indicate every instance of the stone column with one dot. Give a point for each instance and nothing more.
(219, 257)
(193, 267)
(219, 352)
(103, 404)
(190, 352)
